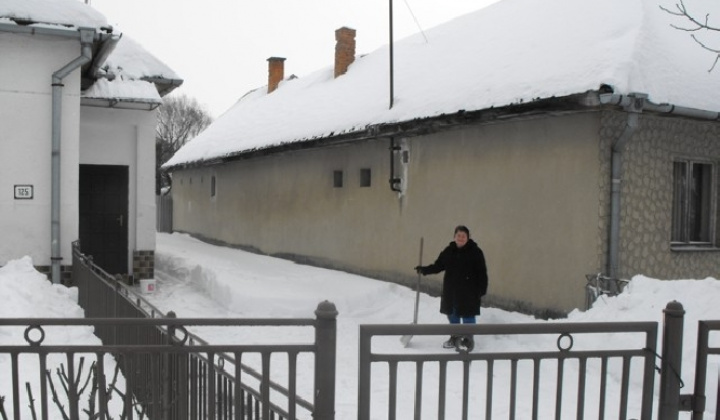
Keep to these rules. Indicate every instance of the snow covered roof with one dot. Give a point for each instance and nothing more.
(129, 74)
(514, 51)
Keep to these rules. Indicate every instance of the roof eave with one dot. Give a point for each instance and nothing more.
(413, 128)
(593, 100)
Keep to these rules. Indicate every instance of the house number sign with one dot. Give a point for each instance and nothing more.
(23, 192)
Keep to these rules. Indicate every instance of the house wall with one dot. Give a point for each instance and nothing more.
(126, 137)
(647, 194)
(528, 190)
(28, 62)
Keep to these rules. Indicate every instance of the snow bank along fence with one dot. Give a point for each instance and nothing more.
(564, 380)
(151, 367)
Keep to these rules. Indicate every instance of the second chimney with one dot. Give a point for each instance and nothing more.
(344, 50)
(276, 72)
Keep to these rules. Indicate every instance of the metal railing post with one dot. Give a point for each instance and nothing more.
(325, 342)
(670, 368)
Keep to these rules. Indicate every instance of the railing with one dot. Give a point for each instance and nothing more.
(171, 380)
(704, 349)
(175, 377)
(475, 372)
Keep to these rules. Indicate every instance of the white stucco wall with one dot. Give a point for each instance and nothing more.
(27, 64)
(126, 137)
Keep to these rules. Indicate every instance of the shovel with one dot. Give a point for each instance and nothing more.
(405, 339)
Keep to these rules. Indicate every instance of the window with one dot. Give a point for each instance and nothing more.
(212, 186)
(365, 176)
(337, 179)
(693, 220)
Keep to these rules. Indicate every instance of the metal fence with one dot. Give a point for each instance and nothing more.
(550, 382)
(696, 401)
(478, 370)
(164, 216)
(153, 367)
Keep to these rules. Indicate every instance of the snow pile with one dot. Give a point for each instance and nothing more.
(270, 287)
(512, 52)
(128, 64)
(68, 13)
(28, 294)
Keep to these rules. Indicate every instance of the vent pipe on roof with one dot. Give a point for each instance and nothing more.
(87, 36)
(276, 72)
(344, 50)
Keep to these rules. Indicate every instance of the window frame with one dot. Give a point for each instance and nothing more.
(338, 178)
(681, 202)
(365, 177)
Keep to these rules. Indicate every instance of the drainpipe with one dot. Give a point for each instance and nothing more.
(632, 104)
(86, 39)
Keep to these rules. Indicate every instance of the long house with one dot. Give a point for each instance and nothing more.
(571, 137)
(78, 107)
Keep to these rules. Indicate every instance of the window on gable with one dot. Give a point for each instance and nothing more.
(365, 177)
(337, 179)
(212, 186)
(693, 203)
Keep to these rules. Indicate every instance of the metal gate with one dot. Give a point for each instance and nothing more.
(150, 366)
(552, 382)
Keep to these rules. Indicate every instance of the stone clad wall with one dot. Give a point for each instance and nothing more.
(647, 194)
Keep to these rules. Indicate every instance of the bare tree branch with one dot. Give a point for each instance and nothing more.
(180, 119)
(55, 395)
(3, 415)
(696, 26)
(31, 403)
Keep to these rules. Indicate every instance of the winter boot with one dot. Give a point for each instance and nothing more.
(465, 343)
(450, 343)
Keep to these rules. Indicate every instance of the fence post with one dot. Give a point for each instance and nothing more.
(670, 368)
(325, 341)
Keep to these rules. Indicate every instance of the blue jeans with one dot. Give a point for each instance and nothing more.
(455, 319)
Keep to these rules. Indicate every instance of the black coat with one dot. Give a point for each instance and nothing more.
(465, 281)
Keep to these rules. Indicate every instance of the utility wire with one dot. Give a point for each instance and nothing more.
(416, 21)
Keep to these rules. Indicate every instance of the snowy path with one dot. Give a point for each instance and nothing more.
(196, 279)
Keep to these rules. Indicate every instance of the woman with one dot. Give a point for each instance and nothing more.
(465, 281)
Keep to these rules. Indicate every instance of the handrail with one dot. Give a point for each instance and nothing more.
(166, 320)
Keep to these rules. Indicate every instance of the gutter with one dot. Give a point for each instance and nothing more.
(163, 85)
(87, 36)
(107, 47)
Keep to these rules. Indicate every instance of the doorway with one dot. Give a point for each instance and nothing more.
(103, 221)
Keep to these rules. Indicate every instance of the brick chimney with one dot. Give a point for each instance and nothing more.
(344, 50)
(276, 72)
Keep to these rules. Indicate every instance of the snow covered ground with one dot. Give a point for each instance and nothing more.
(196, 279)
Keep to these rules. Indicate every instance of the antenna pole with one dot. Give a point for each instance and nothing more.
(392, 93)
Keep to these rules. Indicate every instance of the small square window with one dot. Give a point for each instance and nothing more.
(365, 177)
(337, 179)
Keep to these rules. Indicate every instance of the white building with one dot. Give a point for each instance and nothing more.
(77, 145)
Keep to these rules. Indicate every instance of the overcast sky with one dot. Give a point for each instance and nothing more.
(220, 47)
